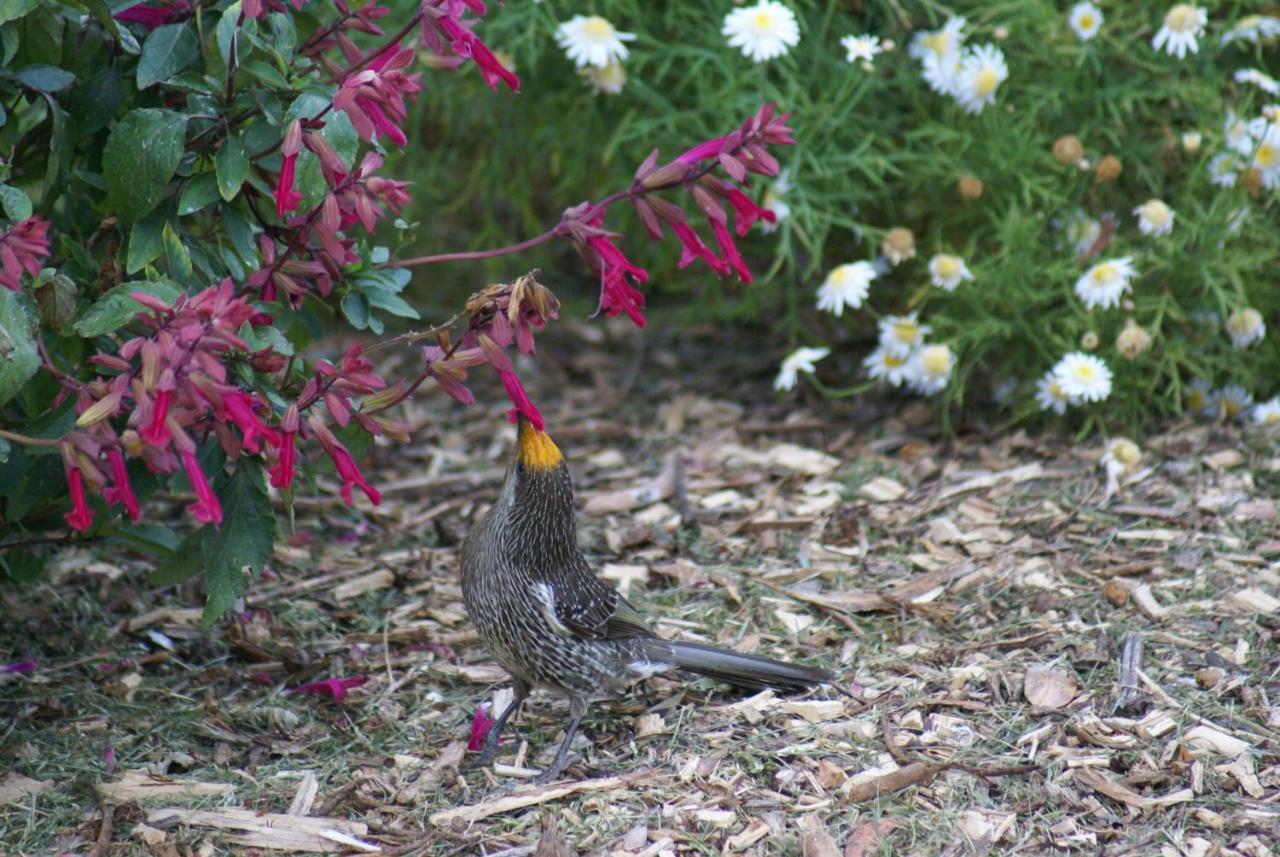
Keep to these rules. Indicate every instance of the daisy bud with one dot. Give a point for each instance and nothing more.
(1068, 150)
(1089, 340)
(1191, 142)
(1109, 168)
(899, 245)
(1132, 341)
(887, 45)
(971, 187)
(1000, 33)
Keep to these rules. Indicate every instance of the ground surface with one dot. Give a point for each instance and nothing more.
(1039, 668)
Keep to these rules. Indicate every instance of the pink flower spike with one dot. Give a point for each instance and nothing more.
(617, 295)
(481, 723)
(157, 431)
(206, 509)
(746, 212)
(703, 151)
(80, 518)
(350, 474)
(287, 199)
(239, 408)
(335, 688)
(22, 248)
(730, 251)
(282, 471)
(691, 247)
(490, 68)
(121, 491)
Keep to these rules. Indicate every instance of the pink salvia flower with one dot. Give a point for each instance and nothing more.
(238, 407)
(746, 212)
(348, 470)
(335, 688)
(282, 470)
(510, 382)
(691, 248)
(80, 517)
(151, 17)
(703, 151)
(616, 294)
(120, 490)
(287, 199)
(157, 431)
(730, 250)
(465, 43)
(206, 509)
(481, 723)
(22, 248)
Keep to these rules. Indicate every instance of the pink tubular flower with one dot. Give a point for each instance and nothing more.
(616, 294)
(238, 407)
(151, 17)
(121, 491)
(481, 723)
(22, 248)
(730, 250)
(287, 199)
(335, 688)
(157, 431)
(80, 518)
(373, 98)
(704, 151)
(282, 470)
(510, 382)
(206, 509)
(441, 26)
(746, 212)
(348, 470)
(691, 248)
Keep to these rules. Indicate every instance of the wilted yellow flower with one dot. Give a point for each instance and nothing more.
(1109, 168)
(1133, 340)
(971, 187)
(1068, 149)
(899, 245)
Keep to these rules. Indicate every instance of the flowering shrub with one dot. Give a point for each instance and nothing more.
(194, 190)
(1061, 215)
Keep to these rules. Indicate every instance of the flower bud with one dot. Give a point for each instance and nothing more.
(1068, 150)
(99, 410)
(971, 187)
(899, 245)
(1089, 340)
(1109, 168)
(1191, 142)
(1133, 340)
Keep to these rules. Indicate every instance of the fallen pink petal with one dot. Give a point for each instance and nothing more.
(481, 723)
(335, 688)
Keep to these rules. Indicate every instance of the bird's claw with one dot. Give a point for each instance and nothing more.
(556, 770)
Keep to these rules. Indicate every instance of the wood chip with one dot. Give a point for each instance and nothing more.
(882, 489)
(1105, 784)
(276, 831)
(1254, 600)
(521, 798)
(141, 785)
(815, 841)
(1207, 738)
(748, 836)
(1049, 688)
(16, 789)
(357, 586)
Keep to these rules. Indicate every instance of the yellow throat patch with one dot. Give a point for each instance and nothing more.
(536, 450)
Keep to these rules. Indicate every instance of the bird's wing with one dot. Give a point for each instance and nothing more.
(578, 603)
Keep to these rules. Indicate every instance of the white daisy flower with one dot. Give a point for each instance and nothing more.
(1086, 20)
(938, 43)
(1266, 155)
(1236, 134)
(929, 369)
(1258, 78)
(1154, 218)
(609, 79)
(902, 334)
(774, 200)
(1120, 456)
(1081, 231)
(885, 366)
(943, 73)
(1253, 28)
(947, 271)
(1231, 401)
(846, 285)
(1083, 377)
(1223, 169)
(1104, 283)
(981, 73)
(762, 32)
(1245, 327)
(861, 48)
(1050, 396)
(590, 40)
(1267, 413)
(800, 360)
(1199, 398)
(1183, 26)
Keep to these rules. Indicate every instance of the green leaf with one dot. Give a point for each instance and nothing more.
(115, 308)
(95, 101)
(228, 28)
(56, 300)
(186, 561)
(44, 78)
(146, 242)
(232, 165)
(167, 51)
(356, 308)
(17, 205)
(199, 192)
(176, 254)
(141, 155)
(18, 358)
(266, 73)
(11, 10)
(392, 303)
(243, 541)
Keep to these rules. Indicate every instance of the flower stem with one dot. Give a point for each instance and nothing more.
(29, 441)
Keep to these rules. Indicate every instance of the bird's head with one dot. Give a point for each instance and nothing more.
(537, 499)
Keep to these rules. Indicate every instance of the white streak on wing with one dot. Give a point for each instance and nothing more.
(547, 599)
(648, 669)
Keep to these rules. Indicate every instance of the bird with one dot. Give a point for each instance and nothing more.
(553, 624)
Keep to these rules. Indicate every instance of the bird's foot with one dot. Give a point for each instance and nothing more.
(557, 768)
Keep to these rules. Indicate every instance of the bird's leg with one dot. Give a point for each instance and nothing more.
(519, 691)
(577, 708)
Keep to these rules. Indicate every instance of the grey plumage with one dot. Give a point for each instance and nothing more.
(553, 624)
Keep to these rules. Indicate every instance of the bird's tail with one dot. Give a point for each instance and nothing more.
(748, 671)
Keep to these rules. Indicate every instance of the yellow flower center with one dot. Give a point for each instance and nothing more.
(1085, 372)
(1271, 417)
(948, 267)
(597, 29)
(1056, 391)
(1230, 406)
(1156, 212)
(986, 81)
(762, 22)
(938, 42)
(1086, 21)
(936, 361)
(906, 331)
(1104, 273)
(1195, 399)
(1267, 156)
(893, 361)
(1182, 18)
